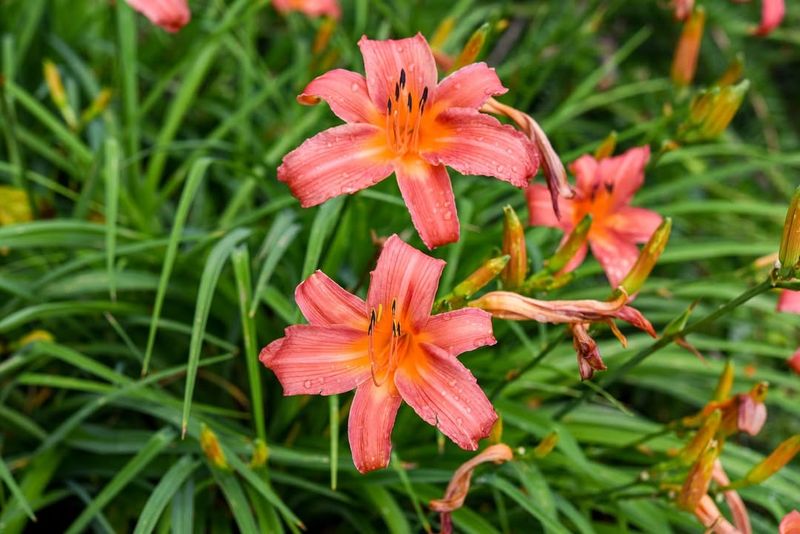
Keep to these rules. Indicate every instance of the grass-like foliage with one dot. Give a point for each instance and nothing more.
(148, 252)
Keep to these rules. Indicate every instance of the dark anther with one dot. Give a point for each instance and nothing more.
(424, 95)
(409, 101)
(389, 105)
(396, 91)
(402, 77)
(609, 187)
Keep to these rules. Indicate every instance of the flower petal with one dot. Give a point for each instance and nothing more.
(326, 303)
(633, 224)
(615, 255)
(475, 143)
(468, 87)
(445, 394)
(540, 208)
(790, 524)
(585, 170)
(345, 92)
(789, 301)
(625, 173)
(772, 13)
(794, 362)
(337, 161)
(319, 360)
(310, 8)
(369, 427)
(752, 415)
(459, 331)
(428, 193)
(270, 351)
(406, 274)
(171, 15)
(383, 61)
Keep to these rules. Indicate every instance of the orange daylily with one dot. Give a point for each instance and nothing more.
(401, 120)
(172, 15)
(389, 349)
(311, 8)
(790, 524)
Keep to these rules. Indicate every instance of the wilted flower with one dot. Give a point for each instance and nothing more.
(389, 348)
(311, 8)
(772, 13)
(401, 119)
(745, 412)
(790, 524)
(684, 63)
(515, 248)
(589, 359)
(697, 481)
(172, 15)
(711, 518)
(211, 447)
(603, 189)
(459, 484)
(740, 516)
(712, 111)
(773, 463)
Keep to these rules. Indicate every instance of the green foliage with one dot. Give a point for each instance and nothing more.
(138, 264)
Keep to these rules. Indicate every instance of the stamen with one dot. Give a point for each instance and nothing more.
(402, 78)
(389, 105)
(409, 102)
(397, 91)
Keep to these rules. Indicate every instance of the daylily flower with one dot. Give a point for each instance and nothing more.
(401, 119)
(389, 349)
(603, 189)
(789, 302)
(459, 485)
(311, 8)
(790, 524)
(772, 13)
(172, 15)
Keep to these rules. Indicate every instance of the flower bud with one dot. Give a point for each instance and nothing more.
(260, 453)
(514, 247)
(773, 463)
(15, 206)
(684, 63)
(57, 93)
(547, 445)
(789, 254)
(606, 148)
(473, 47)
(211, 447)
(701, 439)
(323, 36)
(98, 105)
(712, 111)
(733, 73)
(699, 478)
(577, 238)
(443, 31)
(725, 382)
(478, 279)
(647, 259)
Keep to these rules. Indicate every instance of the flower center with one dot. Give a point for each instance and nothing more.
(403, 116)
(387, 342)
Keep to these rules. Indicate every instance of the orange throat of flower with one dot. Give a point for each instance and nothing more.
(389, 342)
(404, 117)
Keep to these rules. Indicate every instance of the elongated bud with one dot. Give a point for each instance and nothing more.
(514, 247)
(211, 447)
(606, 148)
(684, 63)
(699, 478)
(701, 439)
(473, 47)
(789, 254)
(260, 453)
(733, 73)
(547, 445)
(647, 259)
(773, 463)
(443, 31)
(725, 382)
(57, 93)
(98, 105)
(712, 111)
(478, 279)
(324, 34)
(577, 238)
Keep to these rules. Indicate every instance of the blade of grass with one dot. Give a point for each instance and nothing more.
(36, 478)
(111, 174)
(280, 236)
(237, 501)
(163, 493)
(333, 415)
(6, 476)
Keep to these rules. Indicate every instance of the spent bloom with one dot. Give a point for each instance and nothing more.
(604, 189)
(389, 349)
(790, 524)
(709, 515)
(171, 15)
(311, 8)
(401, 120)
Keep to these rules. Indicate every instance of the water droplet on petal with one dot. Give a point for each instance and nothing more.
(308, 383)
(354, 87)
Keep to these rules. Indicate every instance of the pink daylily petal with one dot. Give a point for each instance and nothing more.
(789, 301)
(634, 224)
(459, 331)
(445, 394)
(340, 160)
(790, 524)
(383, 61)
(369, 427)
(794, 362)
(739, 511)
(476, 143)
(585, 170)
(540, 208)
(171, 15)
(624, 172)
(269, 352)
(346, 94)
(772, 13)
(311, 8)
(320, 360)
(752, 415)
(326, 303)
(428, 193)
(406, 274)
(469, 87)
(615, 255)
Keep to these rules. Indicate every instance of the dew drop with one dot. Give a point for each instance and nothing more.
(308, 383)
(500, 168)
(354, 87)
